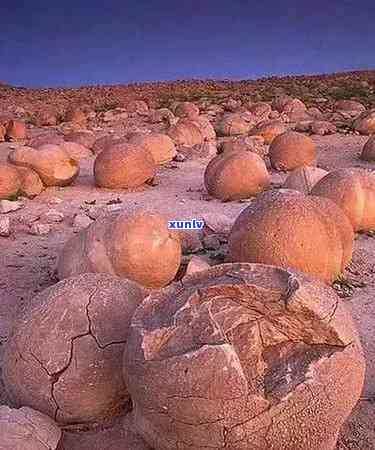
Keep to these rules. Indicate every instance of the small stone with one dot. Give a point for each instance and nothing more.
(211, 242)
(40, 229)
(7, 206)
(81, 221)
(196, 264)
(55, 201)
(179, 157)
(114, 207)
(52, 216)
(5, 227)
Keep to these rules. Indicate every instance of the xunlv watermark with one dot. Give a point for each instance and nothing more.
(193, 224)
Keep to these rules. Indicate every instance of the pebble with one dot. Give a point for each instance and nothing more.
(40, 229)
(7, 206)
(5, 227)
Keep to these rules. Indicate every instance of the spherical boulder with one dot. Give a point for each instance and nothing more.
(233, 125)
(268, 130)
(365, 124)
(63, 357)
(136, 246)
(243, 356)
(304, 178)
(187, 110)
(368, 151)
(160, 146)
(236, 175)
(206, 128)
(76, 151)
(10, 182)
(27, 429)
(353, 190)
(253, 144)
(16, 131)
(186, 132)
(291, 150)
(31, 183)
(123, 166)
(288, 229)
(50, 162)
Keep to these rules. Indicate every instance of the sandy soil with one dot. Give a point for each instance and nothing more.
(28, 266)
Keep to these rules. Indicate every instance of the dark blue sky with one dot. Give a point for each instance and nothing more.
(72, 43)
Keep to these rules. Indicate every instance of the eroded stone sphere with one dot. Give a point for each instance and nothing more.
(243, 356)
(27, 429)
(123, 165)
(160, 145)
(137, 246)
(64, 355)
(288, 229)
(304, 178)
(291, 150)
(353, 190)
(236, 175)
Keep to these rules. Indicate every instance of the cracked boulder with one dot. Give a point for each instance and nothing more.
(54, 166)
(123, 166)
(243, 356)
(289, 229)
(304, 178)
(236, 175)
(291, 150)
(26, 429)
(353, 190)
(160, 145)
(137, 246)
(10, 182)
(64, 355)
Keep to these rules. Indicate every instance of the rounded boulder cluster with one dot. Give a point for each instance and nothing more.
(353, 190)
(64, 355)
(123, 166)
(288, 229)
(136, 246)
(243, 356)
(186, 132)
(236, 175)
(291, 150)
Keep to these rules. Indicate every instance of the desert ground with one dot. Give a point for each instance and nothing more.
(40, 226)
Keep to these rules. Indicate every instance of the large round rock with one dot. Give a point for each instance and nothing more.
(288, 229)
(236, 175)
(243, 356)
(353, 190)
(10, 182)
(64, 355)
(123, 166)
(160, 145)
(136, 246)
(26, 429)
(291, 150)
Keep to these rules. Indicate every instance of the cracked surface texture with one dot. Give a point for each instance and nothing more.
(243, 356)
(64, 355)
(289, 229)
(26, 429)
(136, 246)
